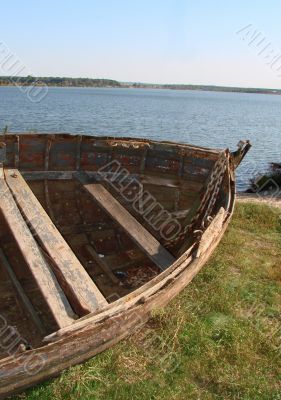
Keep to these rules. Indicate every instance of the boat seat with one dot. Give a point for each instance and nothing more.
(80, 290)
(147, 242)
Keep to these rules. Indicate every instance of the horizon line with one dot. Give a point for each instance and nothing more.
(144, 82)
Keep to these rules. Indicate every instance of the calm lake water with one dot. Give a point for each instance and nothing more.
(201, 118)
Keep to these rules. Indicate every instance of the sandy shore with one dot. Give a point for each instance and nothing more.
(271, 200)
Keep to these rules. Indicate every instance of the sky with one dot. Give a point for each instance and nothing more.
(156, 41)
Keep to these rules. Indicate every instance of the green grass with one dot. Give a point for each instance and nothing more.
(219, 339)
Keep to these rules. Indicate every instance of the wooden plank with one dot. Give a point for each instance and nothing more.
(155, 180)
(21, 293)
(104, 267)
(157, 253)
(42, 273)
(81, 291)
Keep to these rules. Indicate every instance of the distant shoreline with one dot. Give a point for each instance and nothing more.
(109, 83)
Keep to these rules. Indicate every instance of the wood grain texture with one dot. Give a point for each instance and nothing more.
(153, 249)
(81, 291)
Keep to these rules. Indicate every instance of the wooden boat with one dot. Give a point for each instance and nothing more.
(95, 233)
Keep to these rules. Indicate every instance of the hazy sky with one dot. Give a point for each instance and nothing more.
(163, 41)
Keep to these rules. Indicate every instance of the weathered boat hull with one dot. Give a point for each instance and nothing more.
(96, 331)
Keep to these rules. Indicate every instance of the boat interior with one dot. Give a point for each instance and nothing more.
(85, 221)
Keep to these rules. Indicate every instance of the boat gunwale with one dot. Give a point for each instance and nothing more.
(63, 135)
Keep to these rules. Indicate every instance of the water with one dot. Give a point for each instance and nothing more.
(209, 119)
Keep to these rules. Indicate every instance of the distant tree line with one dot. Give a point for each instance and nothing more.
(56, 81)
(209, 88)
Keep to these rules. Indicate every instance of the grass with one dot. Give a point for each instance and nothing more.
(219, 339)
